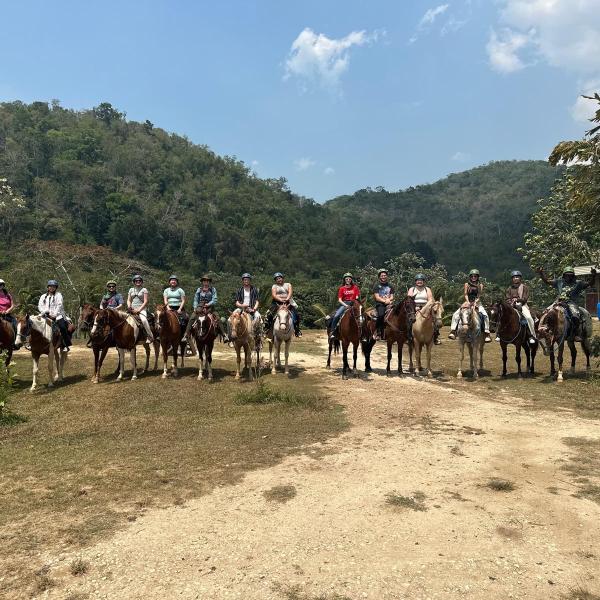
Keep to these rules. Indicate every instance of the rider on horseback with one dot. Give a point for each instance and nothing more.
(205, 298)
(281, 292)
(473, 290)
(347, 293)
(383, 293)
(137, 301)
(52, 307)
(246, 298)
(518, 295)
(112, 299)
(174, 299)
(422, 294)
(7, 306)
(569, 290)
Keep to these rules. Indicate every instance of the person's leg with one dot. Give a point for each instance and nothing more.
(380, 320)
(575, 317)
(454, 324)
(486, 323)
(146, 326)
(527, 314)
(190, 324)
(336, 318)
(270, 315)
(220, 328)
(296, 320)
(64, 332)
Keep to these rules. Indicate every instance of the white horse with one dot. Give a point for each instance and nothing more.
(470, 333)
(42, 340)
(283, 331)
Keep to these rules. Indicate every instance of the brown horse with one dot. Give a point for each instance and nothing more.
(505, 320)
(7, 339)
(170, 333)
(423, 330)
(396, 330)
(351, 332)
(244, 334)
(205, 332)
(553, 332)
(43, 339)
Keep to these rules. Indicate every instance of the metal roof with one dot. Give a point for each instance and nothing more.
(585, 269)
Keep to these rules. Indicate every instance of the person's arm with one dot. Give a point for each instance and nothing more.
(289, 296)
(274, 294)
(525, 297)
(165, 299)
(181, 306)
(255, 307)
(340, 300)
(411, 292)
(390, 298)
(429, 294)
(41, 305)
(120, 302)
(467, 293)
(102, 303)
(144, 303)
(58, 305)
(377, 297)
(239, 299)
(196, 299)
(214, 298)
(129, 300)
(544, 278)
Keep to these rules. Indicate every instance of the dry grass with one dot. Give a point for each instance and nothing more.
(509, 532)
(414, 502)
(91, 458)
(280, 493)
(296, 592)
(581, 593)
(79, 567)
(500, 485)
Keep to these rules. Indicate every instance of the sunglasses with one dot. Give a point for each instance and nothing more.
(110, 286)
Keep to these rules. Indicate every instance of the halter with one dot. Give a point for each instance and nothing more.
(470, 335)
(211, 326)
(285, 307)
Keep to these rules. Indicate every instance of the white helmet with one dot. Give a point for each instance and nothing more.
(2, 282)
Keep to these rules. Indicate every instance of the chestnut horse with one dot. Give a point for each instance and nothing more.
(396, 331)
(43, 339)
(423, 330)
(7, 339)
(351, 332)
(553, 332)
(205, 333)
(170, 333)
(505, 320)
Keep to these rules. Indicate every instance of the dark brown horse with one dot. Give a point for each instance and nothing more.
(505, 320)
(397, 322)
(553, 331)
(7, 339)
(351, 332)
(205, 332)
(170, 332)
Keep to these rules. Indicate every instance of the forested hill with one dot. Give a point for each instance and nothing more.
(93, 177)
(477, 217)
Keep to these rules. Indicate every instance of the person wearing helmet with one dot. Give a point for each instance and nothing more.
(569, 290)
(383, 293)
(347, 294)
(7, 306)
(52, 307)
(137, 301)
(281, 293)
(518, 295)
(473, 290)
(206, 299)
(112, 299)
(246, 298)
(174, 299)
(422, 294)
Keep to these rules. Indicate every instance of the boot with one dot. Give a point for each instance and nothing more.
(436, 338)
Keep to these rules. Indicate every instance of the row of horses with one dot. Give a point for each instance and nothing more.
(405, 325)
(110, 328)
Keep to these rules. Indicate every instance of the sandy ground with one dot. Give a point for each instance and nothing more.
(339, 538)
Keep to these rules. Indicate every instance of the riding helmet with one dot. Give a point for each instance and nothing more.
(474, 272)
(2, 282)
(246, 276)
(137, 277)
(52, 282)
(380, 271)
(278, 274)
(111, 282)
(174, 277)
(516, 274)
(568, 271)
(206, 277)
(348, 275)
(420, 276)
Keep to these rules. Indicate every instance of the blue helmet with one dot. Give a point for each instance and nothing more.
(52, 282)
(246, 276)
(278, 274)
(516, 274)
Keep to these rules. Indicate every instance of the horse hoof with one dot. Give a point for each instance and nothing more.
(199, 378)
(164, 376)
(459, 375)
(134, 377)
(32, 388)
(429, 374)
(94, 380)
(273, 371)
(368, 370)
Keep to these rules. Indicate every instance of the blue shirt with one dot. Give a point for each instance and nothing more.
(205, 297)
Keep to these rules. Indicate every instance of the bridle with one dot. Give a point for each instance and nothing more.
(211, 325)
(497, 323)
(285, 307)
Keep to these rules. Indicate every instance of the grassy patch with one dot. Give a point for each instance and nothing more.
(79, 567)
(296, 592)
(414, 502)
(9, 419)
(280, 493)
(581, 593)
(261, 393)
(91, 458)
(500, 485)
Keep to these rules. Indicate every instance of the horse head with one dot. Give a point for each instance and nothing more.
(238, 325)
(495, 315)
(469, 319)
(283, 318)
(437, 310)
(23, 330)
(86, 318)
(548, 329)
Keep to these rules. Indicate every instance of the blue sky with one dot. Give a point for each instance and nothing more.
(334, 95)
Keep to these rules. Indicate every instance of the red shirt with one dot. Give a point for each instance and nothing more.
(347, 294)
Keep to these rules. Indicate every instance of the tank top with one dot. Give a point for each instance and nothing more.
(137, 296)
(5, 301)
(174, 296)
(472, 292)
(281, 291)
(420, 296)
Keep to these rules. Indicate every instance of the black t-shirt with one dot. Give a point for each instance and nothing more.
(383, 289)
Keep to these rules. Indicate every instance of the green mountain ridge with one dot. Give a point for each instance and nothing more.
(92, 177)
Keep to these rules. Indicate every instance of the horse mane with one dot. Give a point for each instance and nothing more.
(427, 308)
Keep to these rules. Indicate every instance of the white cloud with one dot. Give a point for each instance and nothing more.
(254, 163)
(303, 164)
(315, 58)
(427, 20)
(452, 25)
(583, 109)
(329, 171)
(562, 33)
(461, 157)
(503, 50)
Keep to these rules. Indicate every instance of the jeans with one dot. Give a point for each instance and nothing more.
(338, 315)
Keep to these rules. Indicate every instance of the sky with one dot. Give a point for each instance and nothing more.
(333, 95)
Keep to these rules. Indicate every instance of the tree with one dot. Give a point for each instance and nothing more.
(10, 206)
(582, 158)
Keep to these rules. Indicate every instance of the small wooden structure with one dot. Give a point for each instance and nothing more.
(592, 294)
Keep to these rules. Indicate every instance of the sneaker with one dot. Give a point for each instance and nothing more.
(298, 334)
(488, 339)
(438, 342)
(451, 337)
(532, 341)
(496, 339)
(184, 339)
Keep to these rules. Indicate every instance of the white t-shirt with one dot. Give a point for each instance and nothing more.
(247, 297)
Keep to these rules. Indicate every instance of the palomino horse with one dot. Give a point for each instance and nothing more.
(43, 339)
(554, 331)
(470, 333)
(205, 333)
(283, 332)
(351, 332)
(170, 333)
(505, 320)
(244, 334)
(396, 331)
(7, 339)
(423, 330)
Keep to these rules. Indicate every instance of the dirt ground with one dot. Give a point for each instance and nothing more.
(398, 507)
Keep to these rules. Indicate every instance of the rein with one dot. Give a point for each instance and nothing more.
(498, 323)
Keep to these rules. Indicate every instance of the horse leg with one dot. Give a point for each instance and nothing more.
(518, 359)
(165, 357)
(354, 356)
(389, 357)
(428, 350)
(345, 360)
(63, 359)
(286, 369)
(156, 345)
(271, 344)
(461, 357)
(96, 375)
(36, 368)
(208, 354)
(586, 347)
(329, 355)
(200, 362)
(527, 351)
(504, 357)
(552, 366)
(573, 350)
(51, 355)
(533, 351)
(411, 366)
(133, 358)
(474, 358)
(238, 350)
(121, 352)
(174, 371)
(417, 347)
(103, 354)
(559, 358)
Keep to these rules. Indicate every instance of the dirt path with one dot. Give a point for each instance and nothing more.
(338, 537)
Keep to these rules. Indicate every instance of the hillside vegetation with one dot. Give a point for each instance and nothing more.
(92, 177)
